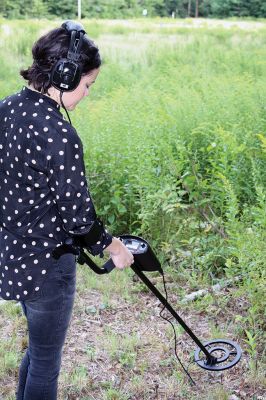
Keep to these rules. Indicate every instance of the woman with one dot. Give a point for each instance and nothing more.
(45, 200)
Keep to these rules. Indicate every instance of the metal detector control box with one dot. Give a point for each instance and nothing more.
(143, 254)
(135, 246)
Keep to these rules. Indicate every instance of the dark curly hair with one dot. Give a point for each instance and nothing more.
(48, 49)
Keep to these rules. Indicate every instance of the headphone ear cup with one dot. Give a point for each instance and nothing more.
(65, 75)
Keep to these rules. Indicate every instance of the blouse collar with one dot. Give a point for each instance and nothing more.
(36, 96)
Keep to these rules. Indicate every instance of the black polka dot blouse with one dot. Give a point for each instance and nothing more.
(44, 193)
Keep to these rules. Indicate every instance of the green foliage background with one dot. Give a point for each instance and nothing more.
(175, 144)
(132, 8)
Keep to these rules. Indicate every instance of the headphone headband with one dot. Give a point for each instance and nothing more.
(72, 26)
(75, 46)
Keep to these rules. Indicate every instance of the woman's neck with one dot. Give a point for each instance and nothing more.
(53, 93)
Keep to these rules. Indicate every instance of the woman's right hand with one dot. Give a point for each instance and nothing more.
(120, 254)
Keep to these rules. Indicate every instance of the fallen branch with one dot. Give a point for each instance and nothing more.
(213, 289)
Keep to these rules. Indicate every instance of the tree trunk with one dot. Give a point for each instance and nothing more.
(197, 9)
(79, 9)
(189, 8)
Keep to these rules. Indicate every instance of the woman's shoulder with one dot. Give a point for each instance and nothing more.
(7, 103)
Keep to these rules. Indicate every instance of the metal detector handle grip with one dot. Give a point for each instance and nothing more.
(108, 266)
(104, 269)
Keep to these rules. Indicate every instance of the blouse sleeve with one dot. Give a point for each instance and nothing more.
(68, 184)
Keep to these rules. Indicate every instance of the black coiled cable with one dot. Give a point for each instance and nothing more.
(180, 362)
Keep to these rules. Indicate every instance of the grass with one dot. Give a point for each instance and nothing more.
(174, 144)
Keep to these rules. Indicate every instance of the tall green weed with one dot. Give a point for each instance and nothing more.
(174, 141)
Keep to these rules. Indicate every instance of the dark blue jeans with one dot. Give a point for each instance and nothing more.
(48, 318)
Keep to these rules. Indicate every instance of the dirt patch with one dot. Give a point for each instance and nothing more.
(123, 350)
(152, 371)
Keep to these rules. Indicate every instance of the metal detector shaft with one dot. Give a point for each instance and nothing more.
(210, 359)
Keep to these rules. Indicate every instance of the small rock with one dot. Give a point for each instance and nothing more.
(90, 310)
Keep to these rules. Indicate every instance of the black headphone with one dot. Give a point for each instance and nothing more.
(66, 73)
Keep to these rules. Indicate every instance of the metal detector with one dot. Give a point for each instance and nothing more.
(213, 355)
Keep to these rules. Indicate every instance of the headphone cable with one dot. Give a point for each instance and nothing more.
(61, 101)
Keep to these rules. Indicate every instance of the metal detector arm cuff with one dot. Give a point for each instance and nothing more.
(95, 240)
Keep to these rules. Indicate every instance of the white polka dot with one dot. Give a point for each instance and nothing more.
(29, 278)
(35, 261)
(45, 129)
(36, 289)
(25, 292)
(34, 114)
(44, 271)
